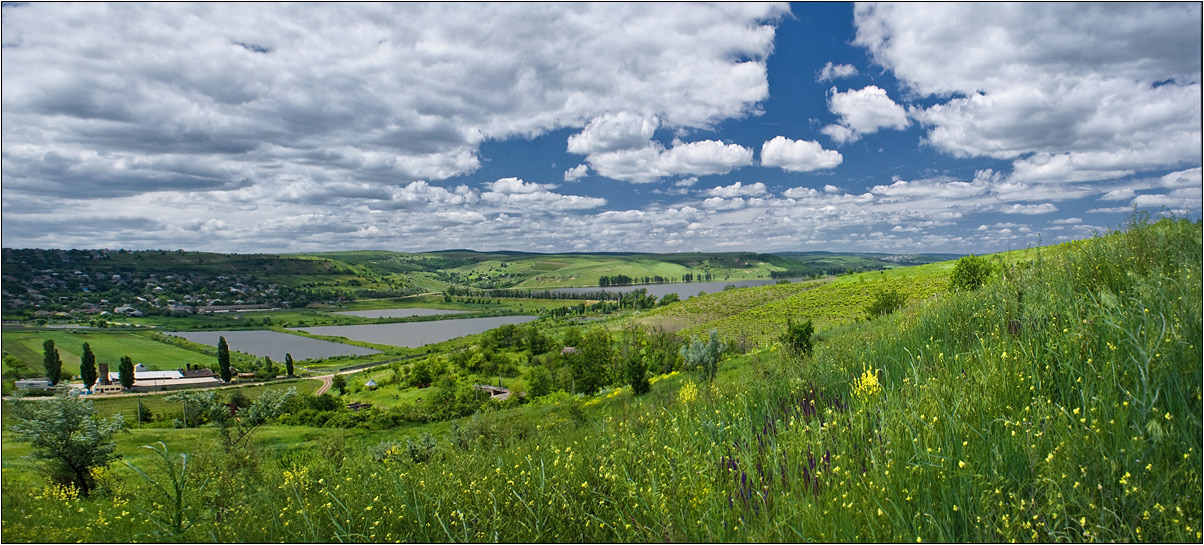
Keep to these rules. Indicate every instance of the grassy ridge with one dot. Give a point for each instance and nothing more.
(758, 314)
(1061, 402)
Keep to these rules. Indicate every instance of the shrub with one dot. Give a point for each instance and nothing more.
(969, 273)
(885, 302)
(637, 375)
(703, 357)
(539, 381)
(799, 336)
(66, 435)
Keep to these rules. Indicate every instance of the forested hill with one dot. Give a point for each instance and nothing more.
(155, 281)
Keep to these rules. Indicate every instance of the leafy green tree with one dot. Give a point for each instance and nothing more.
(269, 367)
(885, 302)
(668, 299)
(969, 273)
(799, 336)
(288, 364)
(421, 373)
(125, 372)
(14, 367)
(704, 357)
(539, 382)
(223, 359)
(339, 383)
(235, 427)
(68, 438)
(51, 362)
(87, 367)
(637, 374)
(593, 360)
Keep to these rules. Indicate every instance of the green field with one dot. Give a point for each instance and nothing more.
(109, 346)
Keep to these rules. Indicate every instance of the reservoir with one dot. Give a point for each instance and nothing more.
(415, 334)
(401, 312)
(274, 344)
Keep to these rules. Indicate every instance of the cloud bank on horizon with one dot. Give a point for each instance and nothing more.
(584, 127)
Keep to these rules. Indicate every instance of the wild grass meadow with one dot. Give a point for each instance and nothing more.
(1059, 402)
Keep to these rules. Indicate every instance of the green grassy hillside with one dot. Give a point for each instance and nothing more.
(1059, 402)
(758, 314)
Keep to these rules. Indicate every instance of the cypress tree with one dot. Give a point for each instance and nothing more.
(288, 364)
(125, 372)
(223, 359)
(51, 361)
(87, 367)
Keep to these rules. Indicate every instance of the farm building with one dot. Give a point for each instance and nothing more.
(34, 384)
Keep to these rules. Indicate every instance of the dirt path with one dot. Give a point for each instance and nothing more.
(328, 381)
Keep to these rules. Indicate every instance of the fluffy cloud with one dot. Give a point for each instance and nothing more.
(653, 162)
(1029, 209)
(613, 132)
(1070, 92)
(1118, 195)
(798, 155)
(863, 112)
(576, 173)
(738, 189)
(830, 72)
(121, 99)
(515, 195)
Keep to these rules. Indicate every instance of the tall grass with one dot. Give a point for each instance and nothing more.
(1061, 402)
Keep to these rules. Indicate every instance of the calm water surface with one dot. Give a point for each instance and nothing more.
(415, 334)
(274, 344)
(401, 312)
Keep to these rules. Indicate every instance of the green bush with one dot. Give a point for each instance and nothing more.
(885, 302)
(799, 336)
(969, 273)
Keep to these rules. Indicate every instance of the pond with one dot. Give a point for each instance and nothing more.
(415, 334)
(684, 290)
(401, 312)
(274, 344)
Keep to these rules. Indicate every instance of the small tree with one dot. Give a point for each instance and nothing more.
(798, 336)
(87, 367)
(269, 368)
(969, 273)
(288, 364)
(539, 381)
(235, 427)
(68, 438)
(339, 383)
(51, 362)
(668, 299)
(223, 359)
(125, 372)
(703, 357)
(637, 374)
(885, 302)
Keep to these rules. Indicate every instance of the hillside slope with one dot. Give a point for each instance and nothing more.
(1060, 402)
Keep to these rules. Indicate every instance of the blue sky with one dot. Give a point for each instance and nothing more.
(578, 127)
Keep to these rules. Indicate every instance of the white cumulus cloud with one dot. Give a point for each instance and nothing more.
(1070, 92)
(862, 112)
(798, 155)
(835, 71)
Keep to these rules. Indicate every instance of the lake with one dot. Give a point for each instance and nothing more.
(274, 344)
(684, 290)
(415, 334)
(401, 312)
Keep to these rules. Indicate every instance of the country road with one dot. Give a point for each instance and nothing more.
(328, 381)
